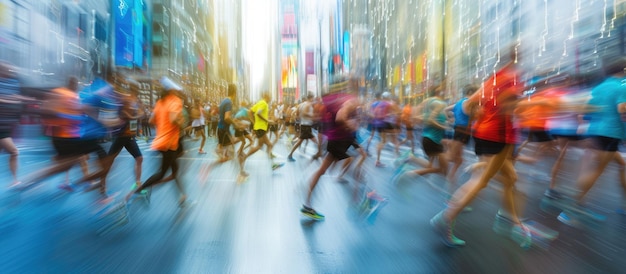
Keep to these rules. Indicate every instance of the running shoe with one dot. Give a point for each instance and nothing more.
(553, 194)
(311, 213)
(582, 211)
(401, 170)
(291, 159)
(201, 152)
(134, 186)
(502, 225)
(568, 220)
(242, 177)
(402, 159)
(276, 166)
(522, 235)
(144, 195)
(379, 164)
(444, 229)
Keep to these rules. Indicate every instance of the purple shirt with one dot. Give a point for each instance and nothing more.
(333, 103)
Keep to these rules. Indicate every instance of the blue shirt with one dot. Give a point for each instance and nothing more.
(225, 106)
(108, 105)
(460, 118)
(605, 120)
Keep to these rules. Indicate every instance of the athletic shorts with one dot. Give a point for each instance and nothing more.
(125, 142)
(484, 147)
(241, 132)
(539, 136)
(461, 134)
(431, 148)
(260, 133)
(569, 137)
(5, 134)
(306, 132)
(66, 147)
(338, 148)
(223, 137)
(605, 143)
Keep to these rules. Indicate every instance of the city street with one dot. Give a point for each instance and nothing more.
(256, 226)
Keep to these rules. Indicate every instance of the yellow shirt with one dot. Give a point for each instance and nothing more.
(264, 108)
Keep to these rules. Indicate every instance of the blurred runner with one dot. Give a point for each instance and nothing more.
(10, 109)
(495, 140)
(131, 113)
(169, 121)
(306, 114)
(260, 115)
(341, 106)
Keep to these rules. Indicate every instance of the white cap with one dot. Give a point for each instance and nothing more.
(386, 95)
(168, 84)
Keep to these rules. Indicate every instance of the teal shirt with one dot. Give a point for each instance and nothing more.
(605, 120)
(431, 132)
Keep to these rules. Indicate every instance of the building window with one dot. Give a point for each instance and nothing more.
(21, 19)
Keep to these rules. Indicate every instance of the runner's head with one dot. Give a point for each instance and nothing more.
(266, 96)
(469, 90)
(170, 87)
(232, 90)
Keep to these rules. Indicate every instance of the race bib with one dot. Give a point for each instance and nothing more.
(132, 125)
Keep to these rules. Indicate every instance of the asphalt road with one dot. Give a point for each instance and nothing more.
(256, 226)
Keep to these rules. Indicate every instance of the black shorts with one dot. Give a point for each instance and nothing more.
(306, 132)
(569, 137)
(539, 136)
(273, 128)
(198, 128)
(125, 142)
(260, 133)
(241, 132)
(461, 134)
(431, 148)
(385, 127)
(66, 147)
(5, 134)
(338, 148)
(605, 143)
(484, 147)
(223, 137)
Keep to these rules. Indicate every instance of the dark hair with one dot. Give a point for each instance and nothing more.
(232, 90)
(469, 89)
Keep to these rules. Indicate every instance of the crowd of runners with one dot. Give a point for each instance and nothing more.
(507, 118)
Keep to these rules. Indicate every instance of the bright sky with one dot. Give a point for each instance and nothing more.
(258, 16)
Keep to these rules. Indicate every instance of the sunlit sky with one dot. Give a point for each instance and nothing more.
(259, 19)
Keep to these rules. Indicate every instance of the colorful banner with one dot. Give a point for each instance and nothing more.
(310, 62)
(128, 15)
(396, 75)
(408, 69)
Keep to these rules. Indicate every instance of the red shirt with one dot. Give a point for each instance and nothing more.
(497, 101)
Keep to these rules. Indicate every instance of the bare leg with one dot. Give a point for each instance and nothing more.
(328, 160)
(8, 145)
